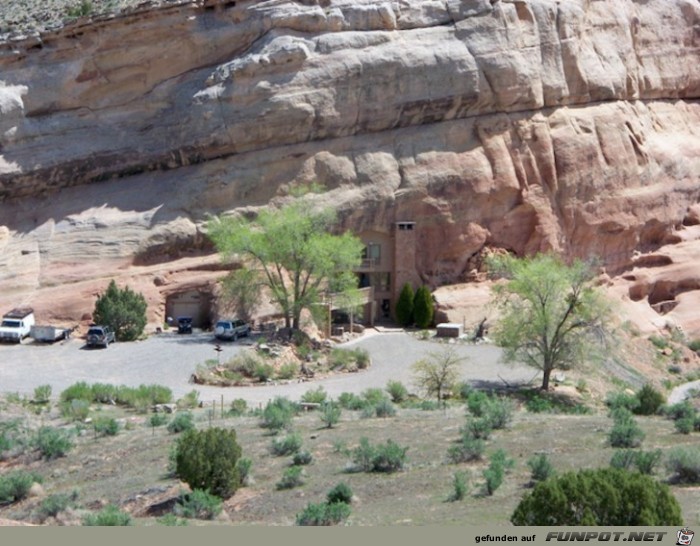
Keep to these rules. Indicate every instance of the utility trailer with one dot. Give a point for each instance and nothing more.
(49, 334)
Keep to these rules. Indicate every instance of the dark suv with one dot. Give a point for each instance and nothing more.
(184, 325)
(231, 329)
(100, 335)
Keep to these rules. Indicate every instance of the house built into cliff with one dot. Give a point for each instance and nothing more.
(388, 262)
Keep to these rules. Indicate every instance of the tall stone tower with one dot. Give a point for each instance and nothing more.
(404, 258)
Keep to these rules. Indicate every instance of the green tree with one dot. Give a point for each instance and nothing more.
(437, 374)
(123, 310)
(423, 307)
(552, 317)
(604, 496)
(404, 306)
(241, 291)
(207, 460)
(295, 249)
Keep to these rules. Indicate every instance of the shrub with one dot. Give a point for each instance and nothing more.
(423, 307)
(372, 397)
(288, 371)
(625, 431)
(647, 461)
(314, 396)
(351, 401)
(103, 393)
(330, 414)
(497, 411)
(182, 422)
(622, 400)
(189, 401)
(684, 462)
(53, 505)
(122, 309)
(362, 359)
(340, 493)
(157, 419)
(52, 442)
(540, 468)
(650, 400)
(263, 371)
(105, 426)
(384, 408)
(477, 402)
(493, 476)
(694, 345)
(539, 404)
(238, 407)
(77, 391)
(278, 414)
(479, 427)
(109, 516)
(468, 449)
(171, 520)
(208, 459)
(291, 478)
(685, 425)
(404, 306)
(397, 391)
(198, 505)
(604, 496)
(659, 342)
(388, 457)
(42, 394)
(15, 485)
(624, 459)
(244, 464)
(323, 513)
(302, 458)
(288, 445)
(75, 410)
(680, 410)
(460, 486)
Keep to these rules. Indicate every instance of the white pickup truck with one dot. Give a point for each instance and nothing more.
(17, 324)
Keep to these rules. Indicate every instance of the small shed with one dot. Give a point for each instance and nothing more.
(449, 329)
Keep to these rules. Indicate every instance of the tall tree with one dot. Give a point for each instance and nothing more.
(404, 306)
(123, 310)
(437, 374)
(423, 307)
(552, 316)
(295, 250)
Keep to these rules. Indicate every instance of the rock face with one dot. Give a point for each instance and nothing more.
(531, 125)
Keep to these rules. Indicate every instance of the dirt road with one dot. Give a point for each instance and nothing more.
(170, 360)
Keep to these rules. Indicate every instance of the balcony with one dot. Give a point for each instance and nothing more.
(370, 263)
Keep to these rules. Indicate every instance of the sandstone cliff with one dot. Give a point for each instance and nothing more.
(571, 125)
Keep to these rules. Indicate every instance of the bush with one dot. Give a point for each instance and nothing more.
(650, 400)
(684, 425)
(340, 493)
(157, 419)
(684, 463)
(278, 414)
(460, 486)
(372, 397)
(189, 401)
(302, 458)
(539, 404)
(323, 514)
(42, 394)
(625, 431)
(53, 505)
(287, 371)
(384, 408)
(423, 307)
(647, 461)
(238, 407)
(52, 442)
(198, 505)
(330, 414)
(15, 485)
(103, 393)
(468, 449)
(540, 468)
(291, 478)
(404, 306)
(263, 371)
(479, 427)
(171, 520)
(622, 400)
(659, 342)
(244, 464)
(105, 426)
(694, 345)
(75, 410)
(314, 396)
(122, 309)
(77, 391)
(362, 359)
(397, 391)
(388, 457)
(605, 496)
(624, 459)
(208, 460)
(288, 445)
(109, 516)
(351, 401)
(496, 411)
(182, 422)
(680, 410)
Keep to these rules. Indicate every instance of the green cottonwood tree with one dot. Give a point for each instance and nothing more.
(404, 307)
(423, 307)
(552, 317)
(295, 249)
(123, 310)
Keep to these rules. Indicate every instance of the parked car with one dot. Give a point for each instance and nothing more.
(17, 324)
(184, 325)
(231, 329)
(100, 335)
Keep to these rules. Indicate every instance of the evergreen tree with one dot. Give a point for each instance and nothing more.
(404, 307)
(123, 310)
(423, 307)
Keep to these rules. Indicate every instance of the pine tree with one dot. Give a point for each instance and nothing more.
(404, 307)
(423, 307)
(123, 310)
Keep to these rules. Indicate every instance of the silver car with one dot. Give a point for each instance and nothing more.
(231, 329)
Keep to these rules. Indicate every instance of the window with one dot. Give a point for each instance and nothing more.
(371, 255)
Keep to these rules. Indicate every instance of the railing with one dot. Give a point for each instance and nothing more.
(369, 263)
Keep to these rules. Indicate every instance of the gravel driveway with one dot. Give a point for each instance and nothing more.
(170, 360)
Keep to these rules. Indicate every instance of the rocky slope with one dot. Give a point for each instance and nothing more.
(526, 124)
